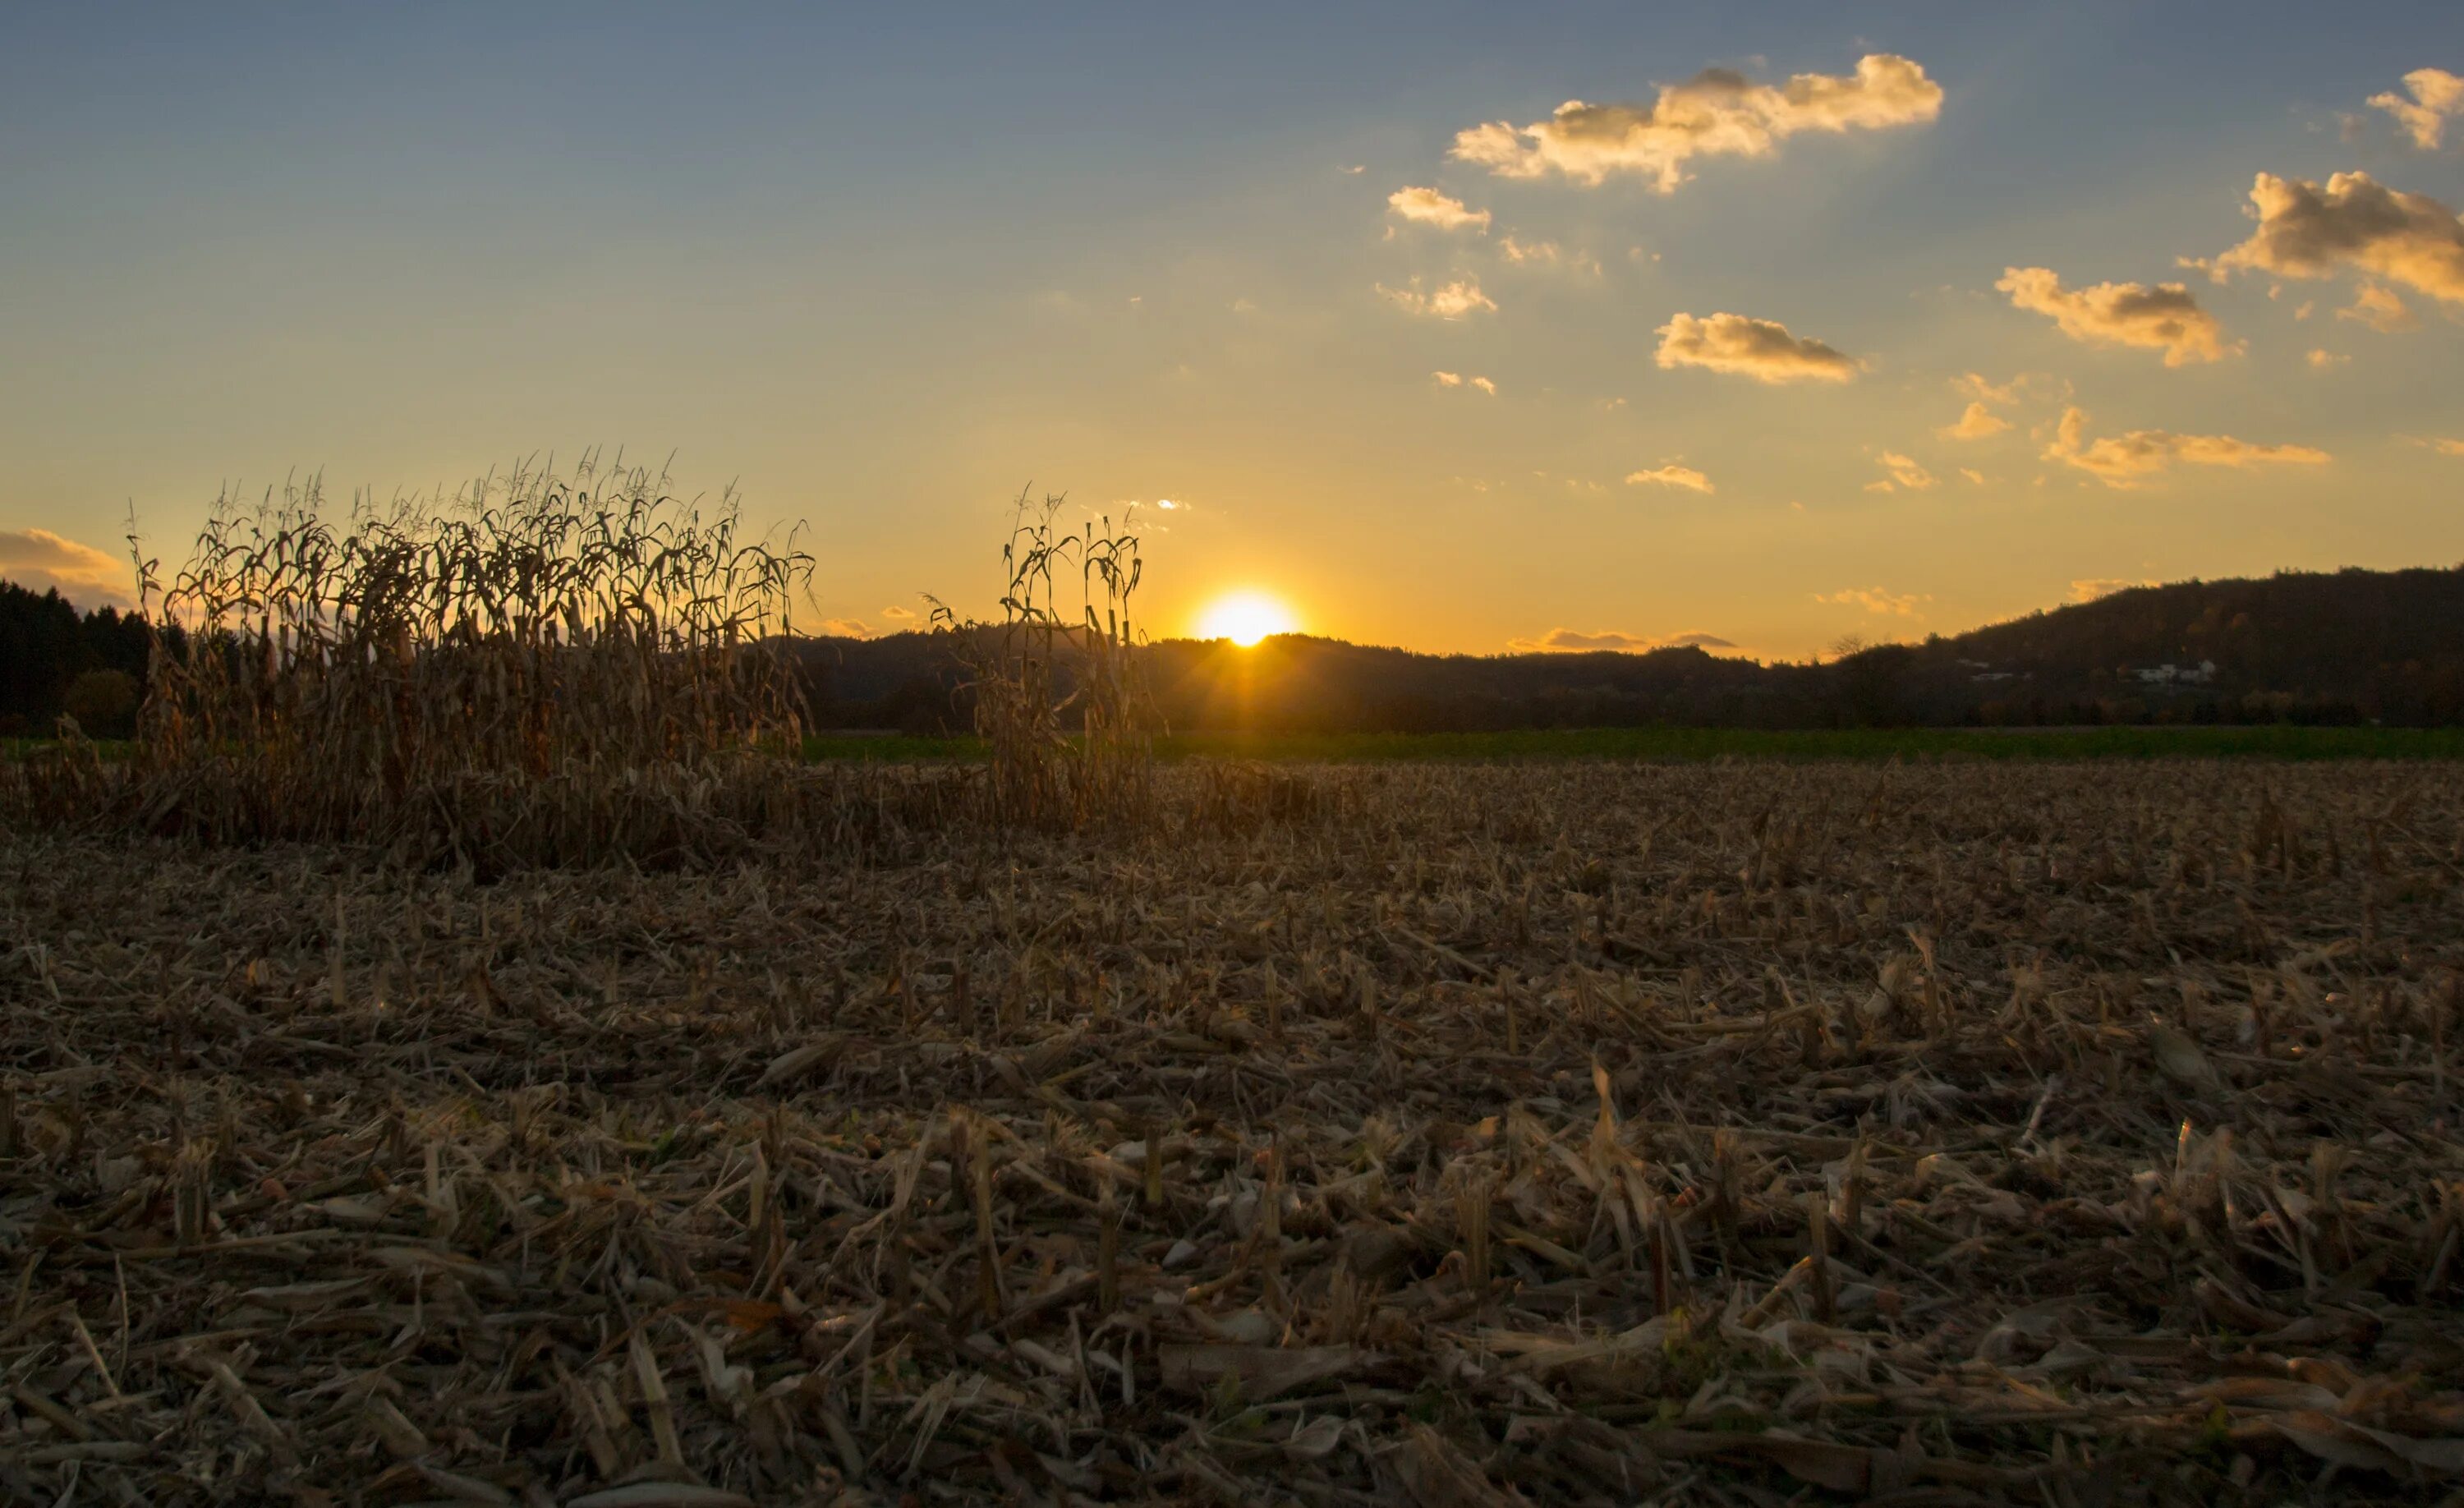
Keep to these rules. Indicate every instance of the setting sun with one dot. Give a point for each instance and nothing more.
(1246, 618)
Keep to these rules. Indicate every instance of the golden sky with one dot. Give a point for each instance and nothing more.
(1597, 330)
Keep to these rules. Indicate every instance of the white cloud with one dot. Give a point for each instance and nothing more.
(1672, 475)
(1761, 349)
(1874, 599)
(2121, 461)
(1429, 207)
(1575, 641)
(2165, 317)
(1485, 385)
(2377, 306)
(1448, 378)
(2307, 230)
(2436, 96)
(40, 560)
(1717, 113)
(1974, 423)
(1451, 301)
(2324, 361)
(1457, 379)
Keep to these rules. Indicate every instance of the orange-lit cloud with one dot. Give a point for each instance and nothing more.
(40, 560)
(1429, 207)
(1547, 255)
(2165, 317)
(1905, 472)
(2436, 96)
(1974, 423)
(847, 628)
(1974, 386)
(1457, 379)
(1451, 301)
(2307, 230)
(1685, 477)
(1574, 640)
(2377, 306)
(1761, 349)
(1717, 113)
(2096, 586)
(2324, 361)
(2123, 460)
(2447, 446)
(896, 614)
(1875, 599)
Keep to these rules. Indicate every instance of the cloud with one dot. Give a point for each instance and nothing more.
(40, 560)
(2445, 447)
(2165, 317)
(1547, 255)
(846, 628)
(2323, 360)
(1448, 378)
(2436, 94)
(898, 614)
(1972, 474)
(1874, 599)
(1685, 477)
(1974, 386)
(2376, 305)
(1717, 113)
(1760, 349)
(1452, 301)
(1428, 206)
(2309, 231)
(1575, 641)
(1906, 471)
(2096, 586)
(1976, 422)
(2120, 460)
(1457, 379)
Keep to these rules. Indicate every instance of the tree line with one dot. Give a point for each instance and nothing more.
(2344, 646)
(56, 660)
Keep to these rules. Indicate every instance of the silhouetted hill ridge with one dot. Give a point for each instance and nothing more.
(2346, 645)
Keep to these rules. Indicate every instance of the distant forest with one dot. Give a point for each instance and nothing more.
(54, 659)
(2348, 646)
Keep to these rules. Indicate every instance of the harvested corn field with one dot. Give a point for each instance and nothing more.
(2058, 1133)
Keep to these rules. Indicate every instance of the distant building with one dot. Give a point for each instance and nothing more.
(2203, 673)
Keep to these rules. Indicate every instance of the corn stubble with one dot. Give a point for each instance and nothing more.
(1587, 1134)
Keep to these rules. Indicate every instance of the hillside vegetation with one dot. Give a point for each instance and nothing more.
(2348, 646)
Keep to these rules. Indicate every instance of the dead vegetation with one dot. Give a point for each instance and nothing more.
(1058, 694)
(1585, 1133)
(541, 668)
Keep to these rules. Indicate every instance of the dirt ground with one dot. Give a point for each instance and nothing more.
(2050, 1133)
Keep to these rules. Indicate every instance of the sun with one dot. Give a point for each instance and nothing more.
(1244, 617)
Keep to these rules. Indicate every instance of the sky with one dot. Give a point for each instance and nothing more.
(1463, 328)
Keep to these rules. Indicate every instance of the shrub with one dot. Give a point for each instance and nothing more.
(104, 703)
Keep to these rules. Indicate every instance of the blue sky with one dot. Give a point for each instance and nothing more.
(883, 271)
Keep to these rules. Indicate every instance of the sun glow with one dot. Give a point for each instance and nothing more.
(1244, 617)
